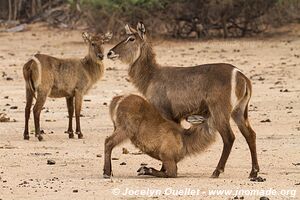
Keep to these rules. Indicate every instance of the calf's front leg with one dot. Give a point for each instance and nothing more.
(116, 138)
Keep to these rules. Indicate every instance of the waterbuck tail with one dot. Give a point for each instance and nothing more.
(32, 74)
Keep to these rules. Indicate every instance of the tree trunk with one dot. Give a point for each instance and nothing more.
(39, 6)
(20, 7)
(15, 9)
(9, 10)
(50, 4)
(33, 8)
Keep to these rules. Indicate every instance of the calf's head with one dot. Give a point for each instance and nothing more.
(95, 44)
(129, 49)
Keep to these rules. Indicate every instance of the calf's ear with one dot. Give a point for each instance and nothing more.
(107, 36)
(129, 30)
(86, 36)
(141, 30)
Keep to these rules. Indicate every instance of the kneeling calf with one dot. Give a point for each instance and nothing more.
(162, 139)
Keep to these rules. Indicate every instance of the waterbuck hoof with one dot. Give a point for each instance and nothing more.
(70, 133)
(26, 137)
(253, 174)
(215, 174)
(142, 170)
(106, 176)
(40, 138)
(80, 135)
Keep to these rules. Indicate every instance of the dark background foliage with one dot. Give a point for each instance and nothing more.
(170, 18)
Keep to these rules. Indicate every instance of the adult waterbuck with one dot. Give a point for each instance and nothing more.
(70, 78)
(219, 91)
(135, 118)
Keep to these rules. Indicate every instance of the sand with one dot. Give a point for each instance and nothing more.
(273, 64)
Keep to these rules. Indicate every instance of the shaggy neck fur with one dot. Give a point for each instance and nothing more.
(143, 69)
(198, 138)
(94, 68)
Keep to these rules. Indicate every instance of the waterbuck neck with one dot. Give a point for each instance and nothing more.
(143, 69)
(94, 68)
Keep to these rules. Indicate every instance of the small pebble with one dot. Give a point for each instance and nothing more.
(265, 120)
(285, 90)
(264, 198)
(50, 162)
(125, 151)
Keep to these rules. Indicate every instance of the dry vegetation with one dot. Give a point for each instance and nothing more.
(170, 18)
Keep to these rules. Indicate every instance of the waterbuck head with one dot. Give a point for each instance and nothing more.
(95, 43)
(129, 49)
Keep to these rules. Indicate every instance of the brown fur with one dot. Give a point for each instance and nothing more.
(162, 139)
(70, 78)
(178, 92)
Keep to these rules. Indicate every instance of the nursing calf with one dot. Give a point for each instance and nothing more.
(136, 119)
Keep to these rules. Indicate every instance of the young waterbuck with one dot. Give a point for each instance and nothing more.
(162, 139)
(219, 91)
(70, 78)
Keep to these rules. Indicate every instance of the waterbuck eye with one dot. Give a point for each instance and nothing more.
(93, 44)
(131, 39)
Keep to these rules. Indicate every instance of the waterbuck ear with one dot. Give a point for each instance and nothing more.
(86, 37)
(107, 36)
(129, 30)
(141, 30)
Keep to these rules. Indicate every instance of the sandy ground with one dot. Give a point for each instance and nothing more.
(273, 64)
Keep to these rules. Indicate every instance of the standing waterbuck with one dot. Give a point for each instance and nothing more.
(70, 78)
(134, 118)
(219, 90)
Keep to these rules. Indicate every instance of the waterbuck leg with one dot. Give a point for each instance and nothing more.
(169, 172)
(70, 105)
(163, 168)
(241, 119)
(29, 99)
(40, 101)
(116, 138)
(78, 104)
(223, 127)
